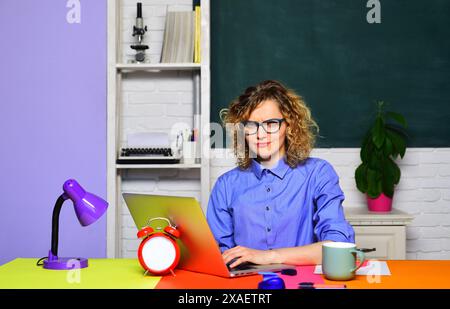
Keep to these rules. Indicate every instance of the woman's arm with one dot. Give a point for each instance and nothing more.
(304, 255)
(219, 217)
(329, 219)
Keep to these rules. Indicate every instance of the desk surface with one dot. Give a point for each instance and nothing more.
(101, 273)
(127, 273)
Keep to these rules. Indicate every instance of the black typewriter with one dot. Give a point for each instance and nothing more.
(147, 156)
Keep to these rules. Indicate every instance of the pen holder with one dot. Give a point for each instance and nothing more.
(189, 152)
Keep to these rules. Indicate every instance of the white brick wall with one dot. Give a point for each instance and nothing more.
(423, 191)
(156, 102)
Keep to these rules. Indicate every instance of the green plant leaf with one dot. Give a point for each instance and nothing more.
(361, 178)
(398, 141)
(398, 118)
(374, 187)
(388, 187)
(365, 148)
(378, 132)
(376, 160)
(375, 190)
(396, 173)
(388, 147)
(397, 129)
(390, 177)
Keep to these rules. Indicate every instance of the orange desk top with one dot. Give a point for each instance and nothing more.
(410, 274)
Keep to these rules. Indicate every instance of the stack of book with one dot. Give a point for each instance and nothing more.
(182, 37)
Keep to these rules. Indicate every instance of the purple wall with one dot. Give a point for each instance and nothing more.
(53, 124)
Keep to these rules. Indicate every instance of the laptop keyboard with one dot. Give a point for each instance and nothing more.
(242, 266)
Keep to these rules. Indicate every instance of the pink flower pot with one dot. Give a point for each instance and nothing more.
(380, 204)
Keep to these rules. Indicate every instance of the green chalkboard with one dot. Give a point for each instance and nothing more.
(328, 52)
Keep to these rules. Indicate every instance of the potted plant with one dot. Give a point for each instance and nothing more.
(378, 173)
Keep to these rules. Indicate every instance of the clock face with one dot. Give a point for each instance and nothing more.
(158, 253)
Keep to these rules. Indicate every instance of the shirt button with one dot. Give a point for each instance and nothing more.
(269, 229)
(267, 208)
(268, 189)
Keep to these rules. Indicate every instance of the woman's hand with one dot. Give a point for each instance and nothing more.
(244, 254)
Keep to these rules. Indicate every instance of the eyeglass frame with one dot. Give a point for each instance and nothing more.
(261, 124)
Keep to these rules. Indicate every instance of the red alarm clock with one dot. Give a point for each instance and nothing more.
(158, 252)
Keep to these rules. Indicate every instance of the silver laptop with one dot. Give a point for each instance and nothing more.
(199, 250)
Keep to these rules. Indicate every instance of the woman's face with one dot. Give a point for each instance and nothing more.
(263, 144)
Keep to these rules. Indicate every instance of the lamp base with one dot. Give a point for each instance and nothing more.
(65, 263)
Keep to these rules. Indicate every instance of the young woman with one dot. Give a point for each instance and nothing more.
(278, 205)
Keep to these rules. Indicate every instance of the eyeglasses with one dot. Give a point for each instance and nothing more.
(270, 126)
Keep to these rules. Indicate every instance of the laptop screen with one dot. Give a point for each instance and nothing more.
(199, 250)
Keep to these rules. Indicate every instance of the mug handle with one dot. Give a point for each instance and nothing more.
(361, 256)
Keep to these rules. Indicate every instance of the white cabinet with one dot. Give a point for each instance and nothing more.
(121, 14)
(384, 231)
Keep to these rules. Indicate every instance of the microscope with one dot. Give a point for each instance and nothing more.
(139, 30)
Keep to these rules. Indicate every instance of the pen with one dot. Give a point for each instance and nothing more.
(366, 250)
(195, 135)
(311, 285)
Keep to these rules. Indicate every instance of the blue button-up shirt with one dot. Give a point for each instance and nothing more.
(279, 207)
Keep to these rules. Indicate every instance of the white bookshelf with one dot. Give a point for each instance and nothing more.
(158, 166)
(158, 67)
(118, 72)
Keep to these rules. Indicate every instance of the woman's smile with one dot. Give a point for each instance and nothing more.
(263, 144)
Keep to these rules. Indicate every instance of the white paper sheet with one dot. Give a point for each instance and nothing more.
(148, 139)
(372, 268)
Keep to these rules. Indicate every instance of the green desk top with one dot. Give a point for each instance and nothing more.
(100, 274)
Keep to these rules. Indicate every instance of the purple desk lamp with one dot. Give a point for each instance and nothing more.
(88, 208)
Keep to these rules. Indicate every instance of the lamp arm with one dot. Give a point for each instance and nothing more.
(55, 222)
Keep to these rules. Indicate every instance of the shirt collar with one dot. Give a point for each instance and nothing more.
(279, 170)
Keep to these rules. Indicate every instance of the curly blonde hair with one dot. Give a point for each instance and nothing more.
(301, 129)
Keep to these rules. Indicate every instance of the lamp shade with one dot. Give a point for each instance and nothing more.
(88, 207)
